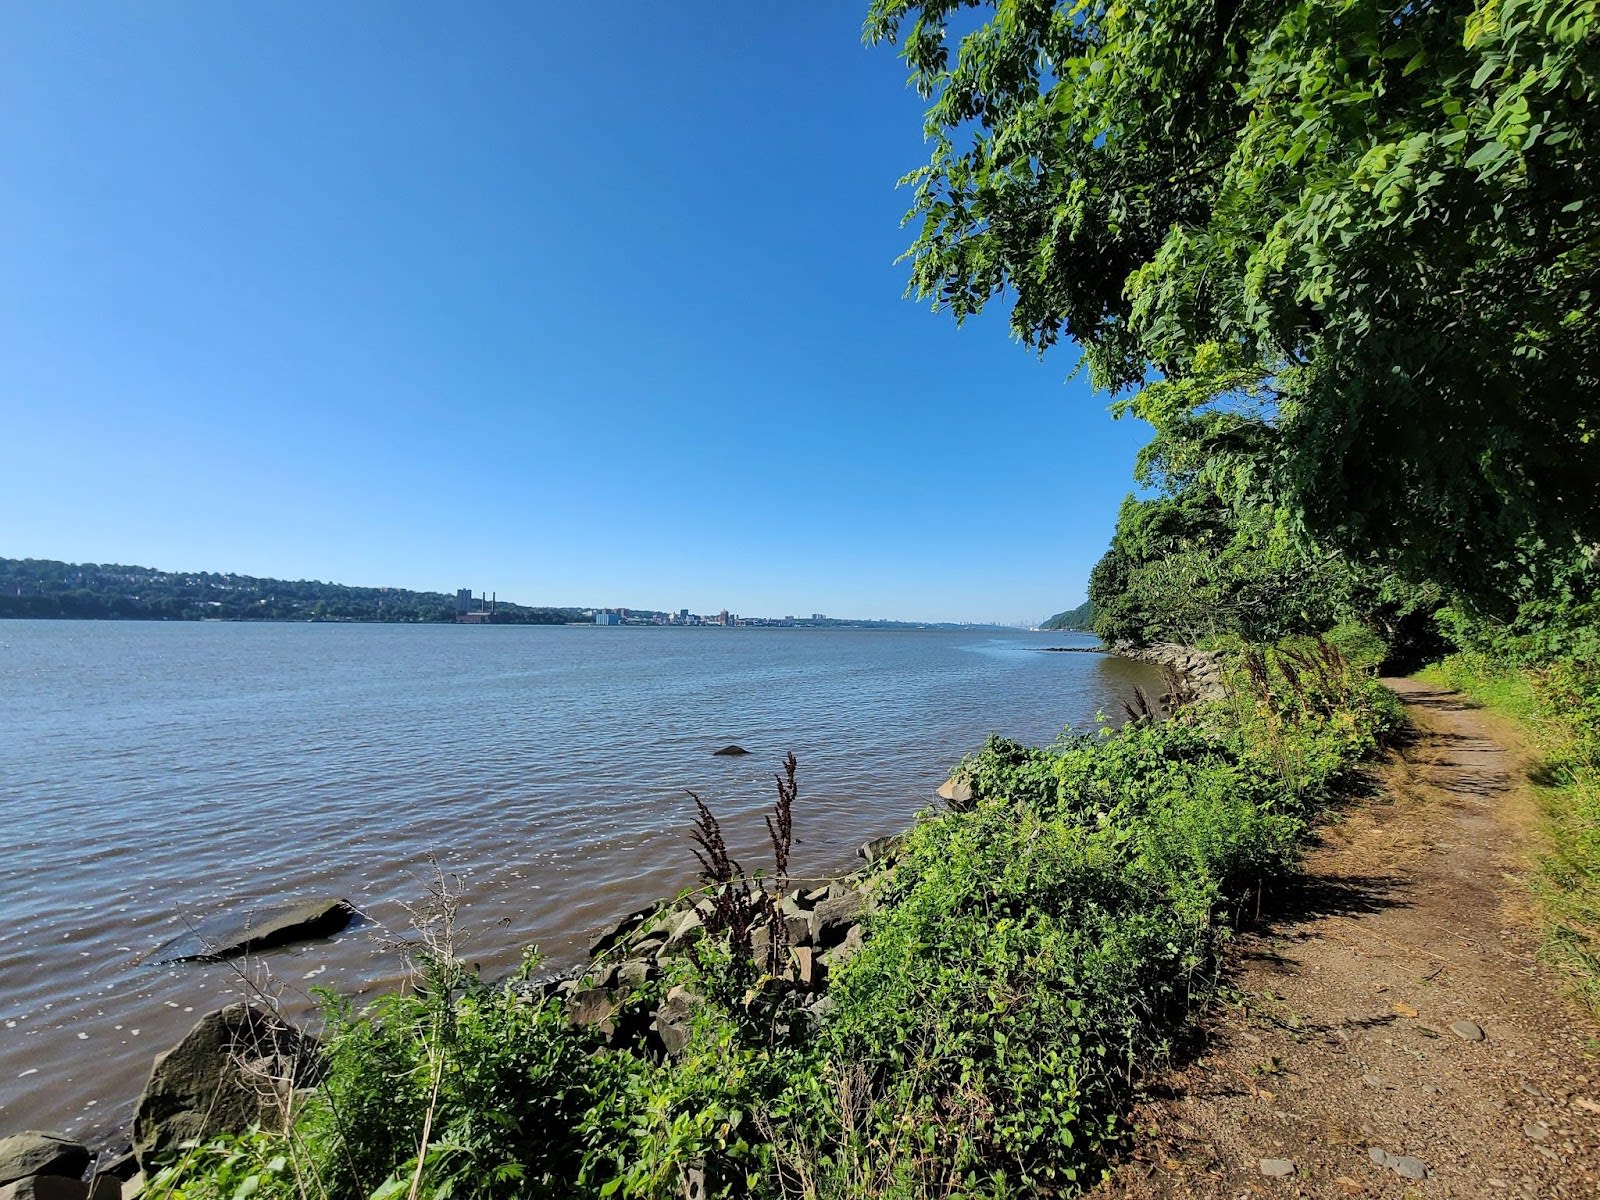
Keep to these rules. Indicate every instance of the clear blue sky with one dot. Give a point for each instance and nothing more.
(583, 304)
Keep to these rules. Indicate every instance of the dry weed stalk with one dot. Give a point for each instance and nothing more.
(1139, 708)
(739, 904)
(780, 822)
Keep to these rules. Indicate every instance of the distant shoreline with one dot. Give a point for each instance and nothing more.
(765, 624)
(48, 590)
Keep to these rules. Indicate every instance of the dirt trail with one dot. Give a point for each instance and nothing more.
(1352, 1055)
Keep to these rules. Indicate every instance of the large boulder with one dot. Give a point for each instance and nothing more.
(236, 1068)
(258, 929)
(38, 1153)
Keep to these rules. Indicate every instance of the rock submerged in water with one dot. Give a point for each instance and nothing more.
(731, 750)
(232, 934)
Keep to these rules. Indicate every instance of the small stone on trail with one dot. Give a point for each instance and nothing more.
(1276, 1168)
(1536, 1131)
(1410, 1168)
(1467, 1030)
(1380, 1156)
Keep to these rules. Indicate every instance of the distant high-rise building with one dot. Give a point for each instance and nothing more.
(605, 618)
(683, 616)
(722, 618)
(463, 600)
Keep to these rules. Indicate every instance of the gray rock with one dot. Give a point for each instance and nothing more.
(108, 1180)
(883, 849)
(636, 972)
(1466, 1030)
(845, 950)
(260, 928)
(623, 930)
(729, 751)
(39, 1153)
(807, 968)
(672, 1019)
(1276, 1168)
(1536, 1131)
(833, 919)
(45, 1187)
(688, 926)
(1380, 1156)
(237, 1067)
(1409, 1168)
(797, 930)
(796, 920)
(592, 1006)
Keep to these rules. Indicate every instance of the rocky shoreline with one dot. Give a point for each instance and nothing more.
(1198, 672)
(240, 1064)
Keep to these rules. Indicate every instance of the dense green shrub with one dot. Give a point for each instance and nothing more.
(1035, 953)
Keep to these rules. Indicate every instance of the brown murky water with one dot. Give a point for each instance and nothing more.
(152, 774)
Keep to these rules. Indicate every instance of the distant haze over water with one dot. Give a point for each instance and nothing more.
(156, 773)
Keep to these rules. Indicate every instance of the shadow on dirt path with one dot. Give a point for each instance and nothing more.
(1393, 1033)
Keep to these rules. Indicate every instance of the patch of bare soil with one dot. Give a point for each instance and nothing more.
(1393, 1032)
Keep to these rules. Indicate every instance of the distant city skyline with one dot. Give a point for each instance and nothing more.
(401, 296)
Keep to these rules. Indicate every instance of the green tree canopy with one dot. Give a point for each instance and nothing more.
(1342, 255)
